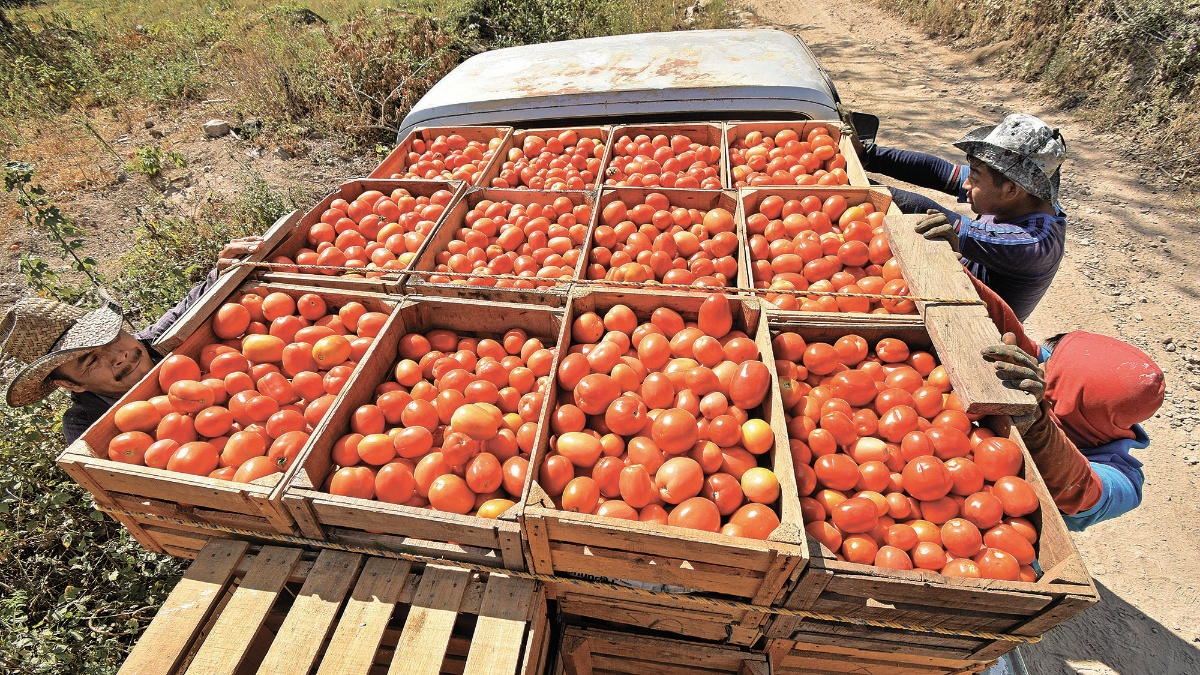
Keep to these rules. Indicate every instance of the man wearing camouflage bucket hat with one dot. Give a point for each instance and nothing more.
(46, 345)
(1011, 181)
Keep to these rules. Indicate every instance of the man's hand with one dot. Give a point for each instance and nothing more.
(937, 226)
(1014, 365)
(236, 249)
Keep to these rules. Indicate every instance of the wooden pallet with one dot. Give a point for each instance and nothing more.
(603, 133)
(568, 544)
(958, 332)
(689, 199)
(281, 610)
(837, 130)
(194, 499)
(385, 282)
(397, 160)
(321, 515)
(713, 134)
(591, 651)
(551, 296)
(927, 599)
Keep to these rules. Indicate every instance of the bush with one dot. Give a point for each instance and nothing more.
(1127, 65)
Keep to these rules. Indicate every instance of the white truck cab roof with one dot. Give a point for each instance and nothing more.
(667, 77)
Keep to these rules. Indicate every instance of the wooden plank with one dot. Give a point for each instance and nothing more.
(503, 619)
(311, 617)
(576, 655)
(958, 332)
(165, 641)
(430, 621)
(352, 649)
(537, 649)
(199, 312)
(229, 641)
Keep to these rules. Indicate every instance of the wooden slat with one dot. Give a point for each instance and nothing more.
(576, 655)
(958, 332)
(311, 617)
(352, 649)
(503, 619)
(199, 312)
(229, 641)
(430, 620)
(186, 609)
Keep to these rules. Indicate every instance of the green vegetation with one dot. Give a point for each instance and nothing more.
(1131, 66)
(75, 589)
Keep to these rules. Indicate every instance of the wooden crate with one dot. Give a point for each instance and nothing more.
(806, 658)
(750, 198)
(713, 134)
(573, 545)
(335, 518)
(554, 296)
(690, 199)
(957, 331)
(386, 281)
(247, 506)
(397, 160)
(283, 610)
(592, 651)
(602, 133)
(840, 133)
(927, 599)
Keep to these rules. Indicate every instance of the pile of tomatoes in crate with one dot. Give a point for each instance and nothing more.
(452, 429)
(540, 242)
(784, 159)
(245, 408)
(890, 470)
(565, 161)
(663, 161)
(448, 157)
(658, 420)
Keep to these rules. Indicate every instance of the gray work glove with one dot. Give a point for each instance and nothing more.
(937, 226)
(1017, 367)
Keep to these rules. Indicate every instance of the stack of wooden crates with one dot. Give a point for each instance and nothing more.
(282, 583)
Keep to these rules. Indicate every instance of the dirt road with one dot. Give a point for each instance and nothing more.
(1130, 272)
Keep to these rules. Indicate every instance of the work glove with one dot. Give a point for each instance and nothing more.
(1014, 365)
(937, 226)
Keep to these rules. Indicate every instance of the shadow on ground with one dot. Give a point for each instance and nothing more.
(1112, 637)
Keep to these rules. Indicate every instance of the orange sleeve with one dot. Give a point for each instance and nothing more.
(1003, 316)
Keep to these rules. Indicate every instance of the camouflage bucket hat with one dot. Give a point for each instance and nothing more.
(1024, 149)
(38, 335)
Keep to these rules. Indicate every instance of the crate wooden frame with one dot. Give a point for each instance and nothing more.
(553, 296)
(571, 544)
(350, 520)
(838, 130)
(397, 160)
(928, 599)
(856, 658)
(517, 138)
(390, 281)
(251, 506)
(708, 133)
(593, 651)
(233, 612)
(750, 198)
(682, 197)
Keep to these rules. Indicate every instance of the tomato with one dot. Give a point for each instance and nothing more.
(927, 478)
(891, 350)
(860, 549)
(581, 495)
(928, 556)
(826, 534)
(451, 494)
(674, 431)
(1017, 496)
(757, 521)
(855, 515)
(962, 567)
(1008, 539)
(949, 442)
(837, 472)
(636, 486)
(892, 557)
(996, 564)
(998, 457)
(983, 509)
(751, 382)
(967, 477)
(961, 538)
(679, 479)
(697, 513)
(897, 422)
(595, 392)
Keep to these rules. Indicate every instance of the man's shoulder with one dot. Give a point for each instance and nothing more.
(85, 409)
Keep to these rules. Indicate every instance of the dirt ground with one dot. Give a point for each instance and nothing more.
(1130, 272)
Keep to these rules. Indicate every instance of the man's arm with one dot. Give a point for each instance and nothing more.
(917, 168)
(228, 255)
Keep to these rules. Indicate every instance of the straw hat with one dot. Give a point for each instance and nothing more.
(39, 335)
(1024, 149)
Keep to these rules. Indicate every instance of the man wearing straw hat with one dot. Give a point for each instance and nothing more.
(1011, 181)
(47, 345)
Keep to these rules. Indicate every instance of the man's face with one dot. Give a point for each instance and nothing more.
(109, 370)
(987, 195)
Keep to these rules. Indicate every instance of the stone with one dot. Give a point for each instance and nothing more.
(155, 133)
(282, 153)
(149, 124)
(216, 128)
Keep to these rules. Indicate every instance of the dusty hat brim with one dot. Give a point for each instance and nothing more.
(1012, 165)
(94, 329)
